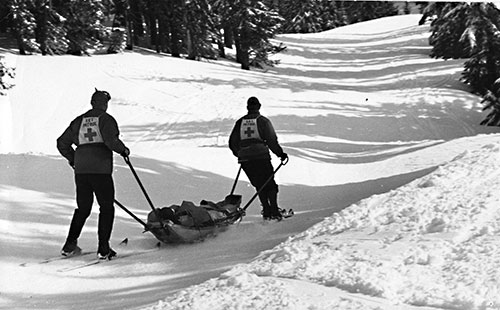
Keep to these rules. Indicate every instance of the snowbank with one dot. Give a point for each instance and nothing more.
(431, 243)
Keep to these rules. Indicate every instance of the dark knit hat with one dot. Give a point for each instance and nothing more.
(100, 97)
(253, 104)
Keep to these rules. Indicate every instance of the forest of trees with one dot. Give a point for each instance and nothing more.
(197, 29)
(470, 30)
(192, 28)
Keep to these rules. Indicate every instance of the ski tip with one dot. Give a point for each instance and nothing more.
(124, 241)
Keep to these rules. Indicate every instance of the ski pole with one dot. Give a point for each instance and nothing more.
(235, 181)
(155, 211)
(262, 187)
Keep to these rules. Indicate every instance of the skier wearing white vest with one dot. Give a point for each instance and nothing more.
(95, 135)
(251, 139)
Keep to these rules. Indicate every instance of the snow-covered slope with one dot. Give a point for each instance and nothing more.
(362, 110)
(433, 243)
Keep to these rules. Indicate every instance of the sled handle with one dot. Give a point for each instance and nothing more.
(127, 160)
(236, 181)
(155, 211)
(262, 187)
(131, 214)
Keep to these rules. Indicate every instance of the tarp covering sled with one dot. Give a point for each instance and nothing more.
(188, 222)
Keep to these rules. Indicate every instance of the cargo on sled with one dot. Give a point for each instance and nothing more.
(188, 222)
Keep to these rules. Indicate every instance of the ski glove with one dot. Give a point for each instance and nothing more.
(125, 152)
(284, 156)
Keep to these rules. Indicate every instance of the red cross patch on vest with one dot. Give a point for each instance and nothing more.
(249, 130)
(89, 131)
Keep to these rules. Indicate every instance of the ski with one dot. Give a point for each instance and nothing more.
(99, 261)
(87, 264)
(56, 258)
(286, 213)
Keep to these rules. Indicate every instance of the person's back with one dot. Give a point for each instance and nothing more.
(250, 141)
(95, 135)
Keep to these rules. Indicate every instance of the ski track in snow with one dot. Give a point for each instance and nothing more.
(361, 110)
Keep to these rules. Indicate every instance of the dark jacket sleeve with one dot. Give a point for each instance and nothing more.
(65, 144)
(110, 134)
(270, 137)
(234, 138)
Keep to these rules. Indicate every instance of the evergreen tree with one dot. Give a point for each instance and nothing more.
(84, 25)
(447, 29)
(6, 77)
(483, 42)
(360, 11)
(201, 30)
(50, 32)
(331, 15)
(135, 21)
(227, 11)
(176, 26)
(341, 13)
(491, 101)
(252, 24)
(5, 18)
(309, 16)
(257, 26)
(23, 25)
(301, 16)
(472, 30)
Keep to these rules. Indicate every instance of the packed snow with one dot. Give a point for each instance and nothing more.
(394, 183)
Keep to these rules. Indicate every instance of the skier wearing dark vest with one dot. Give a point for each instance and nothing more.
(95, 135)
(251, 139)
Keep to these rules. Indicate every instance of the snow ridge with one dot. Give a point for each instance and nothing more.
(431, 243)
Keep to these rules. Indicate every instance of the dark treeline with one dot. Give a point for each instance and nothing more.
(192, 28)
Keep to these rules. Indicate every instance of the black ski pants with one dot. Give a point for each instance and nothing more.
(258, 172)
(103, 187)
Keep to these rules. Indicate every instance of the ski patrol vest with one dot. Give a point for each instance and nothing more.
(89, 131)
(249, 129)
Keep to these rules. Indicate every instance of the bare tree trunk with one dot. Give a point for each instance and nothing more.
(130, 32)
(228, 37)
(242, 49)
(41, 29)
(222, 51)
(153, 30)
(162, 35)
(189, 39)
